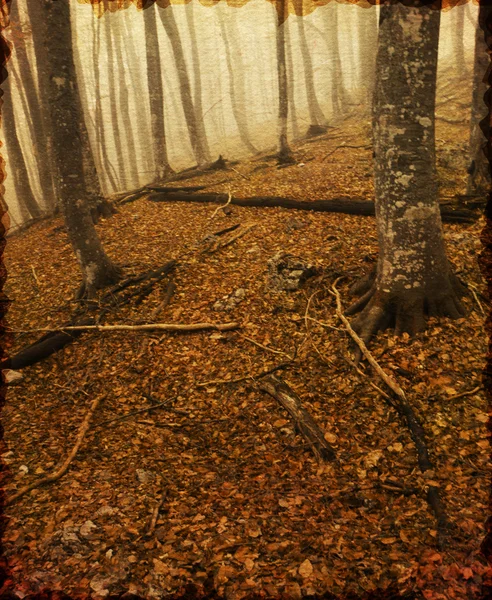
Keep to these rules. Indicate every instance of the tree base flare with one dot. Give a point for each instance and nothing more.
(108, 276)
(403, 312)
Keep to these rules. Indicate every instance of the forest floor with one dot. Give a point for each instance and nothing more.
(244, 505)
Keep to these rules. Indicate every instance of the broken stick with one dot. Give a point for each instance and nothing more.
(146, 327)
(303, 421)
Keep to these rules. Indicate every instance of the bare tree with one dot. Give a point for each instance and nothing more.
(317, 119)
(291, 96)
(198, 144)
(284, 153)
(156, 95)
(65, 118)
(478, 181)
(236, 82)
(367, 29)
(28, 204)
(458, 25)
(413, 277)
(338, 91)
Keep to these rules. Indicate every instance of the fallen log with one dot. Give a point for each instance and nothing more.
(303, 421)
(346, 205)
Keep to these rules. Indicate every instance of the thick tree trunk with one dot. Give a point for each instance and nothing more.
(367, 29)
(479, 170)
(197, 143)
(236, 83)
(28, 204)
(39, 141)
(284, 151)
(317, 119)
(156, 95)
(413, 277)
(64, 103)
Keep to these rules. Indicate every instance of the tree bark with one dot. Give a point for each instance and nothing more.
(284, 152)
(413, 278)
(291, 96)
(197, 143)
(338, 92)
(478, 182)
(64, 108)
(156, 95)
(28, 204)
(458, 15)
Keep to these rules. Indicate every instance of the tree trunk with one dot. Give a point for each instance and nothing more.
(235, 83)
(197, 143)
(291, 96)
(413, 278)
(124, 109)
(458, 12)
(28, 204)
(112, 100)
(367, 29)
(197, 78)
(338, 92)
(156, 95)
(64, 104)
(36, 15)
(284, 151)
(100, 132)
(317, 118)
(40, 145)
(479, 170)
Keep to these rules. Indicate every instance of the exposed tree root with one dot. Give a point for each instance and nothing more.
(399, 402)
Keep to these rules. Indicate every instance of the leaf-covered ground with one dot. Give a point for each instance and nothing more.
(245, 506)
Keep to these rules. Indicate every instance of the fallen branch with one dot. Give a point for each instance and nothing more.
(155, 514)
(352, 206)
(399, 402)
(463, 394)
(64, 467)
(145, 327)
(303, 421)
(245, 377)
(223, 243)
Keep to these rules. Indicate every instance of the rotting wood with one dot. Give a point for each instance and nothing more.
(303, 421)
(345, 205)
(398, 401)
(64, 467)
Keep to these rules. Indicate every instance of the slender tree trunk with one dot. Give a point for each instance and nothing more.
(197, 143)
(284, 152)
(112, 100)
(139, 88)
(64, 104)
(36, 14)
(413, 277)
(236, 86)
(291, 96)
(40, 145)
(99, 129)
(367, 28)
(197, 78)
(17, 163)
(479, 170)
(124, 109)
(317, 118)
(338, 91)
(458, 14)
(156, 95)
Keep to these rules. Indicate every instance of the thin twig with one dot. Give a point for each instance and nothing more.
(229, 198)
(137, 412)
(64, 467)
(155, 513)
(242, 175)
(144, 327)
(468, 393)
(249, 376)
(265, 347)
